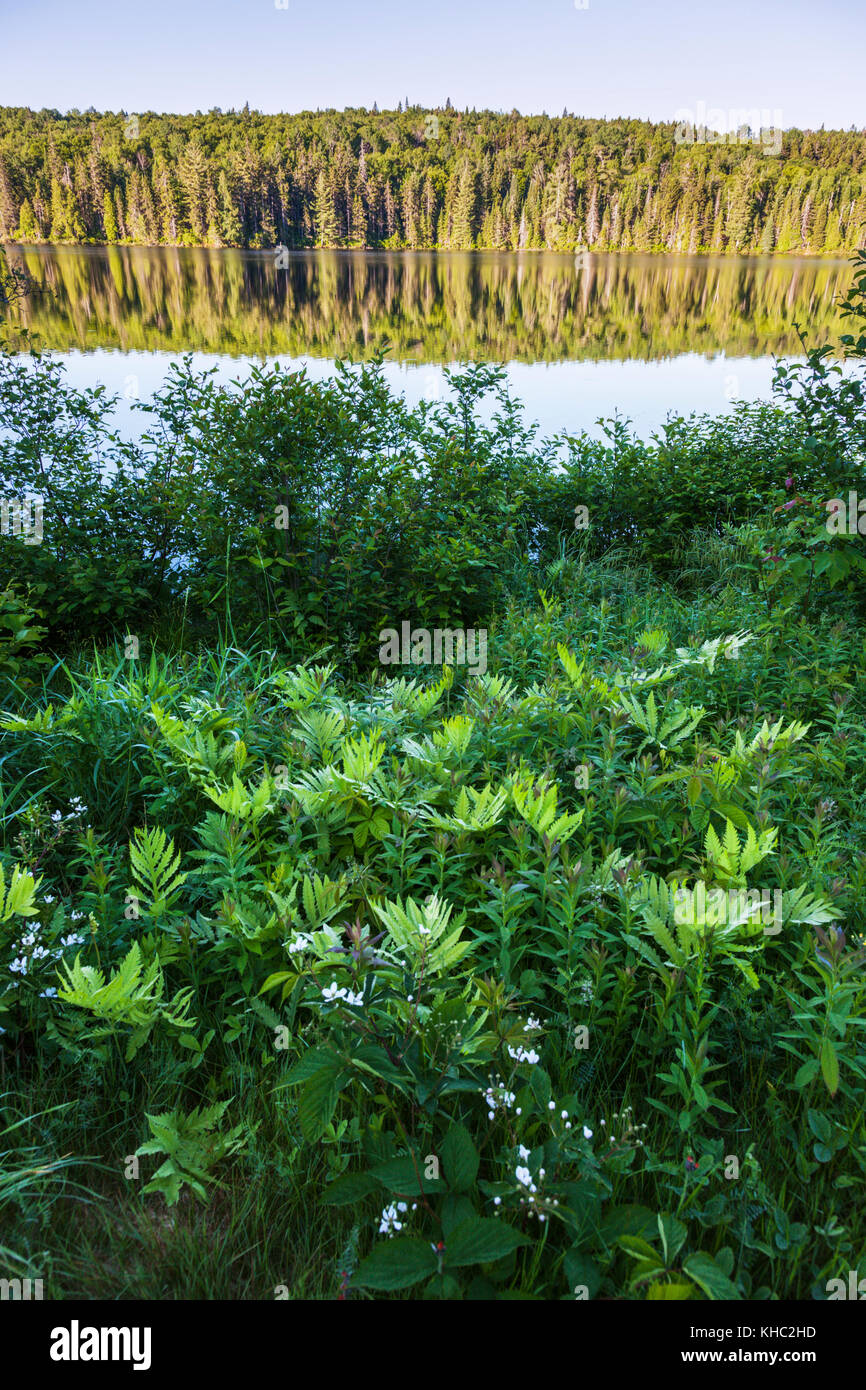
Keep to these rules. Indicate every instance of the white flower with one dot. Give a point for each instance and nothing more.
(531, 1025)
(73, 939)
(520, 1054)
(19, 966)
(48, 993)
(333, 992)
(299, 944)
(523, 1151)
(423, 931)
(495, 1096)
(388, 1222)
(587, 1132)
(524, 1177)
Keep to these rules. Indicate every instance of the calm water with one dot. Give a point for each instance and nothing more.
(643, 335)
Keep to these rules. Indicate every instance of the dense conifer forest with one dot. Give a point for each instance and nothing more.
(417, 179)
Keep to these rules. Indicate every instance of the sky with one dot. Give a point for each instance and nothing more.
(799, 61)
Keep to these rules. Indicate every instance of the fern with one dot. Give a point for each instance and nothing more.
(473, 810)
(421, 932)
(19, 898)
(156, 869)
(193, 1146)
(131, 998)
(536, 802)
(731, 860)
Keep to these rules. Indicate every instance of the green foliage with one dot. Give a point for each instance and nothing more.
(193, 1145)
(132, 997)
(484, 957)
(377, 178)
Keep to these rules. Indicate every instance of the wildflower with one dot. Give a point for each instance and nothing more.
(789, 482)
(587, 1132)
(496, 1096)
(531, 1025)
(73, 939)
(389, 1221)
(520, 1054)
(48, 993)
(19, 966)
(523, 1151)
(524, 1177)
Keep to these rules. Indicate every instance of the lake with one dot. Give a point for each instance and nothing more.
(642, 335)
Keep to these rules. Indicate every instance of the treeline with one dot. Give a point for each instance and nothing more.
(419, 179)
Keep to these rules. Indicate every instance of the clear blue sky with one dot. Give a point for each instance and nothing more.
(803, 58)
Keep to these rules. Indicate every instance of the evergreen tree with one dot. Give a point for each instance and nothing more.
(109, 221)
(324, 216)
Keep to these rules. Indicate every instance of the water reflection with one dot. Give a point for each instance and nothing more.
(428, 308)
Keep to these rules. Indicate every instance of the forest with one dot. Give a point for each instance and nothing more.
(416, 179)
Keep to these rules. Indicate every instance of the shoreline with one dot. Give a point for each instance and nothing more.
(841, 258)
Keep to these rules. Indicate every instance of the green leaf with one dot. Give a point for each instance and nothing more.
(480, 1240)
(830, 1066)
(396, 1264)
(640, 1249)
(539, 1082)
(715, 1283)
(627, 1220)
(673, 1234)
(580, 1270)
(460, 1159)
(404, 1176)
(670, 1291)
(806, 1074)
(347, 1189)
(315, 1060)
(317, 1103)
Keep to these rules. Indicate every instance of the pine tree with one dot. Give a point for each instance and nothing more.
(27, 226)
(324, 216)
(109, 221)
(465, 210)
